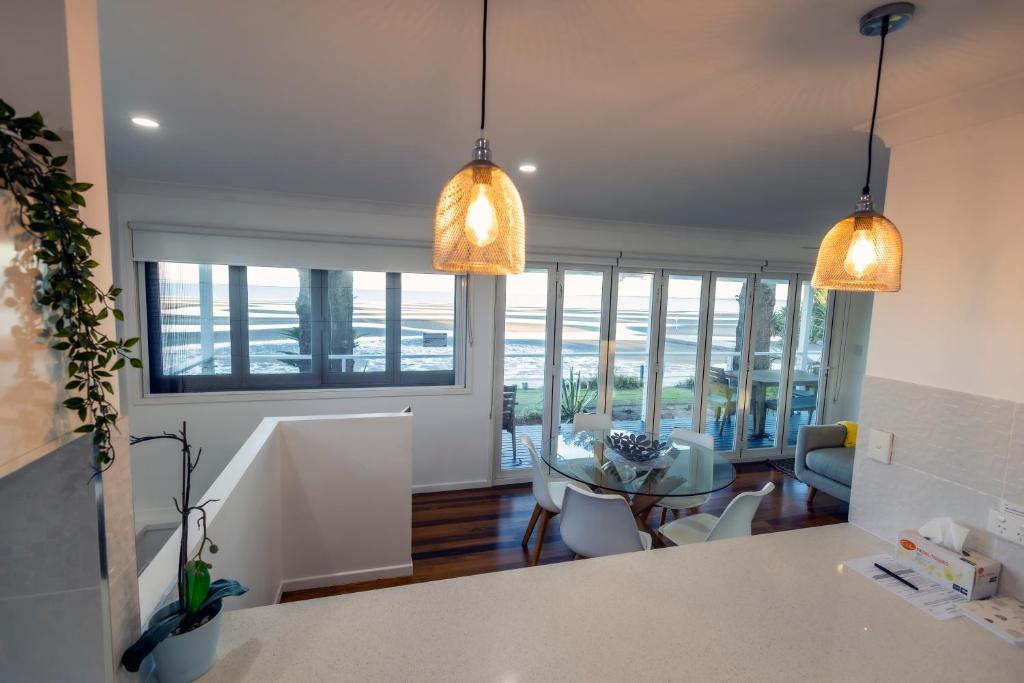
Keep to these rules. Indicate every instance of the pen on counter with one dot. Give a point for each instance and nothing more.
(896, 576)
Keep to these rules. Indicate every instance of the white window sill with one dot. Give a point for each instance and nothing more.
(298, 395)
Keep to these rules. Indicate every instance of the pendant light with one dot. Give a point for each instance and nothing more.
(479, 225)
(864, 251)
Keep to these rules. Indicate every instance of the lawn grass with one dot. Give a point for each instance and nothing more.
(529, 402)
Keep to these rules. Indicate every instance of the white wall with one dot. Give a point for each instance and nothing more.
(453, 437)
(54, 592)
(306, 502)
(959, 321)
(945, 372)
(51, 66)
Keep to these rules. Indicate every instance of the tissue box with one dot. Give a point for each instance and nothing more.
(972, 575)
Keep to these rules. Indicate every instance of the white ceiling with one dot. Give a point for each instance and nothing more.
(735, 113)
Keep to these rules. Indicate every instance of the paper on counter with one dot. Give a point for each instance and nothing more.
(930, 597)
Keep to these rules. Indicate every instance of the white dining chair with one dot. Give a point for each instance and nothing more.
(734, 522)
(548, 493)
(591, 422)
(596, 524)
(677, 503)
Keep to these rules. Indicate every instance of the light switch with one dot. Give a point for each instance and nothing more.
(880, 446)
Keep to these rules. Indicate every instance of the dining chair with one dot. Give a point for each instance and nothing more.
(548, 494)
(591, 422)
(721, 396)
(734, 522)
(508, 415)
(677, 503)
(596, 524)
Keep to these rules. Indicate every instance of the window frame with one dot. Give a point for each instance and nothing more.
(241, 379)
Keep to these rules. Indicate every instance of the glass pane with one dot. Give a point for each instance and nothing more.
(725, 356)
(682, 339)
(581, 344)
(428, 322)
(808, 343)
(195, 327)
(630, 371)
(768, 338)
(356, 315)
(526, 297)
(280, 321)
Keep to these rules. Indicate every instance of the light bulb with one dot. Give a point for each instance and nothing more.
(480, 219)
(861, 258)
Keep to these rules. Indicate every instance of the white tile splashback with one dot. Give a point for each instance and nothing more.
(954, 454)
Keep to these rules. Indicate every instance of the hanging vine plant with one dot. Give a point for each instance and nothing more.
(73, 307)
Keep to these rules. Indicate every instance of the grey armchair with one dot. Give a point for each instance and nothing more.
(822, 462)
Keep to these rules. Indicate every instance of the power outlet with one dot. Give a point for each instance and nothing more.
(1007, 522)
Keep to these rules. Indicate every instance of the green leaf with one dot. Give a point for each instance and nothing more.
(223, 588)
(197, 585)
(85, 429)
(129, 343)
(154, 635)
(118, 315)
(118, 364)
(135, 363)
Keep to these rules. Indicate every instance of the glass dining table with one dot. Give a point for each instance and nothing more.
(670, 469)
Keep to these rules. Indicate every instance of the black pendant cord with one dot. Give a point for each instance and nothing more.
(874, 108)
(483, 78)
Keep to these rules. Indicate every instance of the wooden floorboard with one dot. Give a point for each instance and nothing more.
(459, 533)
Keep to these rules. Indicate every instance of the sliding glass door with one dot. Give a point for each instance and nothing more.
(631, 346)
(526, 376)
(724, 361)
(735, 355)
(769, 335)
(581, 326)
(682, 337)
(553, 355)
(809, 361)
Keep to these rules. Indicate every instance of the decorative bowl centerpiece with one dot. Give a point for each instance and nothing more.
(635, 447)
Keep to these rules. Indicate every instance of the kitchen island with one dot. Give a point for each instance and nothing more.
(775, 607)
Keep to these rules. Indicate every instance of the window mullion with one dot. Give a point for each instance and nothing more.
(319, 325)
(393, 328)
(238, 306)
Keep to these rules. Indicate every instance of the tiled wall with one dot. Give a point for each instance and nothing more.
(52, 613)
(954, 454)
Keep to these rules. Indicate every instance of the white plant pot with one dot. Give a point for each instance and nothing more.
(186, 657)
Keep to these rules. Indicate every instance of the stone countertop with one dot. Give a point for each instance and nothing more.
(775, 607)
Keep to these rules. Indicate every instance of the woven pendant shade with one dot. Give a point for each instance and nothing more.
(861, 253)
(479, 226)
(864, 251)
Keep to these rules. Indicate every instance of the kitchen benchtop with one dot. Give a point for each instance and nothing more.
(775, 607)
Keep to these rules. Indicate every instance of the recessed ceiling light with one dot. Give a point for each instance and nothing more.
(528, 168)
(143, 122)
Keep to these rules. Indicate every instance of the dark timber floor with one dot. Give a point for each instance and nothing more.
(458, 533)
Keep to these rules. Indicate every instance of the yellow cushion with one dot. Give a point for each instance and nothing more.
(851, 433)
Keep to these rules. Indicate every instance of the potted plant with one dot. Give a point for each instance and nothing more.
(182, 636)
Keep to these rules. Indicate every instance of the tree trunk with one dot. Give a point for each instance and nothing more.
(340, 310)
(303, 307)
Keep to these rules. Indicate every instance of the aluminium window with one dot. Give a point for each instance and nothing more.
(239, 328)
